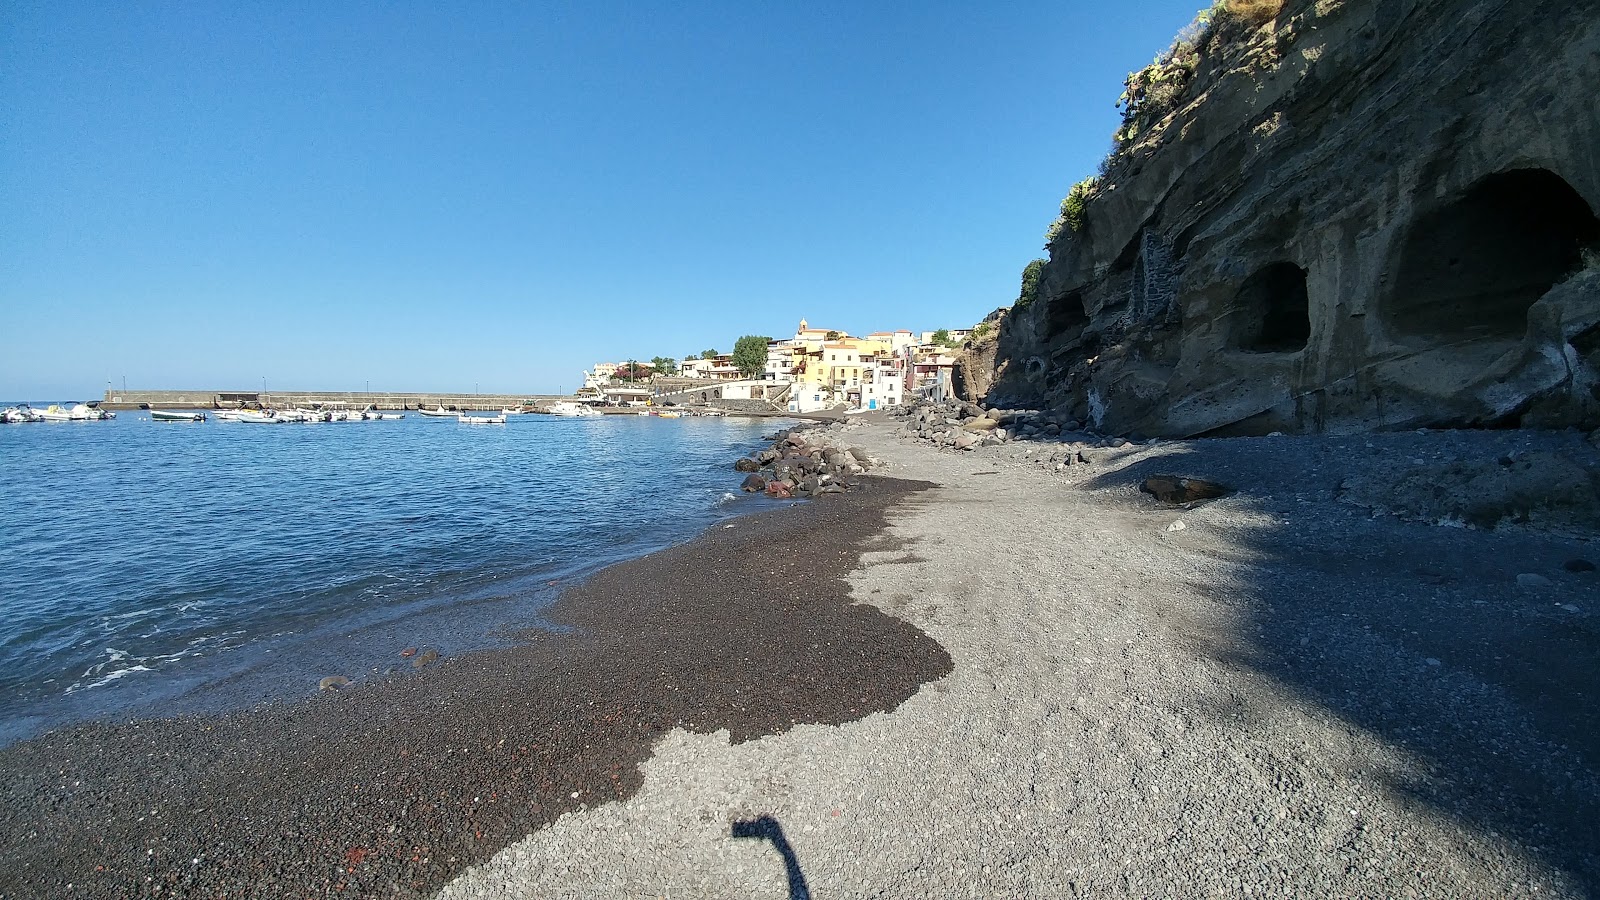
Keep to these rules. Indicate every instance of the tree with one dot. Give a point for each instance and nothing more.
(709, 354)
(664, 365)
(1030, 284)
(834, 335)
(750, 354)
(633, 371)
(942, 337)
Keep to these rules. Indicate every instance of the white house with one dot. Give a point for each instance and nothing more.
(600, 375)
(780, 361)
(884, 383)
(810, 395)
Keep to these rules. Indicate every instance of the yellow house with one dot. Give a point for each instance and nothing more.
(840, 366)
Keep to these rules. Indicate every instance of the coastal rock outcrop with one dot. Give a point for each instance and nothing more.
(1340, 215)
(804, 462)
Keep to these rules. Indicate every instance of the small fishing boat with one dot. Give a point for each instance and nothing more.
(481, 420)
(162, 415)
(439, 413)
(569, 408)
(18, 414)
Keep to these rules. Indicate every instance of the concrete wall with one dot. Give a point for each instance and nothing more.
(209, 399)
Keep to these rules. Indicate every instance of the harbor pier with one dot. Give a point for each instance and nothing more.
(397, 400)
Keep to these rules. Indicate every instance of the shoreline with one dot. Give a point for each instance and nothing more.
(396, 785)
(1281, 692)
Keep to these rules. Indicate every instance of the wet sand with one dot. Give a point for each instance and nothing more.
(393, 787)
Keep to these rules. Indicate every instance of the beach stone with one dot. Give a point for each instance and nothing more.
(860, 454)
(1178, 489)
(408, 652)
(965, 441)
(427, 656)
(1177, 526)
(779, 489)
(982, 424)
(332, 683)
(767, 457)
(1578, 565)
(753, 484)
(1533, 580)
(746, 464)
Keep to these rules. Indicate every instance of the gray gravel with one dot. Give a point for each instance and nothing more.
(1291, 695)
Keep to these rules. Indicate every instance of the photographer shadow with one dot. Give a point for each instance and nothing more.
(767, 828)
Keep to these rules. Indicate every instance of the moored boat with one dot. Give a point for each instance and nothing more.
(260, 417)
(19, 414)
(465, 419)
(569, 408)
(163, 415)
(438, 413)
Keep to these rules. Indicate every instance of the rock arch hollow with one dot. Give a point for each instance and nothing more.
(1272, 311)
(1067, 317)
(1472, 268)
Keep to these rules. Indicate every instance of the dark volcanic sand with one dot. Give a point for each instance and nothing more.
(392, 787)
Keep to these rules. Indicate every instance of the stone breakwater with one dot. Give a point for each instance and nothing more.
(804, 462)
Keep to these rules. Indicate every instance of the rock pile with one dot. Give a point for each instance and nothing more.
(965, 426)
(803, 462)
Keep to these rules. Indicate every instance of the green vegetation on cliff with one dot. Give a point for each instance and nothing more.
(1030, 284)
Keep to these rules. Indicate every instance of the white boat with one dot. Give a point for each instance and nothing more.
(439, 413)
(19, 414)
(391, 416)
(508, 411)
(260, 417)
(569, 408)
(481, 420)
(54, 413)
(162, 415)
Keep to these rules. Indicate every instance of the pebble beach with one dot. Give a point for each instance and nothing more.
(978, 673)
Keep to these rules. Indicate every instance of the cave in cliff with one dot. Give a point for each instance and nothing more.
(1272, 312)
(1067, 318)
(1473, 267)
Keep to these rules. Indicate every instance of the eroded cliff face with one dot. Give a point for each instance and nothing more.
(1362, 214)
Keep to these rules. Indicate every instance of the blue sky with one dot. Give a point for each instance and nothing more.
(442, 196)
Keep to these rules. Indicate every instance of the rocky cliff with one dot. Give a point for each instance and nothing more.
(1348, 215)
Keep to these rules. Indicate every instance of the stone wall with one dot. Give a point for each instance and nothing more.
(1362, 214)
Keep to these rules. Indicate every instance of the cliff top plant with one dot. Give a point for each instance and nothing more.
(1074, 209)
(1152, 92)
(1030, 284)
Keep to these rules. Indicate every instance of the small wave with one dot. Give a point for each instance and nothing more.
(726, 498)
(105, 679)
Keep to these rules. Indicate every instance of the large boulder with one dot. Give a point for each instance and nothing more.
(746, 464)
(1176, 489)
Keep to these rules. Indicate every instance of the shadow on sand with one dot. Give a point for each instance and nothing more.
(1416, 634)
(766, 828)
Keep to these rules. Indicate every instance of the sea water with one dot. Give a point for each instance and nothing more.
(151, 568)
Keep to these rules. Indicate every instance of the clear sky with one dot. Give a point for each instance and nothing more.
(425, 196)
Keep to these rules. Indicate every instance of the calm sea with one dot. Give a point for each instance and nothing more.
(150, 568)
